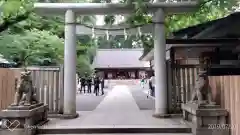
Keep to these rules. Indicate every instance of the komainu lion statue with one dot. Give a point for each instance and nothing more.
(201, 93)
(25, 92)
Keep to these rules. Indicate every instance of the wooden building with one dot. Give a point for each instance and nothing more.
(217, 41)
(120, 63)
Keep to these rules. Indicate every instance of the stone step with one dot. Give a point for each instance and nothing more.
(129, 134)
(110, 130)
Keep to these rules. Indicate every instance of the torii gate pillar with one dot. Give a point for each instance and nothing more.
(70, 65)
(160, 65)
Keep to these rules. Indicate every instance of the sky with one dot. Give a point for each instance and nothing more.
(100, 18)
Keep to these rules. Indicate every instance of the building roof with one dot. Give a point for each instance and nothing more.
(223, 29)
(227, 27)
(189, 32)
(205, 30)
(119, 58)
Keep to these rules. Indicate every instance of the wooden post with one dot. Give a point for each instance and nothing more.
(170, 87)
(61, 89)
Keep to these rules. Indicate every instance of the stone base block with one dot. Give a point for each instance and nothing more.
(161, 115)
(207, 131)
(203, 118)
(23, 120)
(24, 107)
(69, 116)
(18, 132)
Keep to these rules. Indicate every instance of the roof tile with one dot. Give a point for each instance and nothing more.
(119, 58)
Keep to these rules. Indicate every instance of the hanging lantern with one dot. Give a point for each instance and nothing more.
(107, 33)
(125, 34)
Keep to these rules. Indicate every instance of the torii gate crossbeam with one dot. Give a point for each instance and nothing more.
(113, 8)
(72, 9)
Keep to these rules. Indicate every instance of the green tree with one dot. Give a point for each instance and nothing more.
(208, 10)
(32, 48)
(37, 40)
(23, 32)
(14, 14)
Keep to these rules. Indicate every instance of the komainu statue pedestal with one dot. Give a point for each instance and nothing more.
(23, 120)
(206, 119)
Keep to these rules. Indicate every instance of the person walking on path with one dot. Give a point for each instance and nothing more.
(83, 84)
(152, 81)
(142, 83)
(150, 86)
(89, 84)
(102, 85)
(96, 85)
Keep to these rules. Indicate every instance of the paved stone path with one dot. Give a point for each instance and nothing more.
(117, 110)
(117, 100)
(88, 101)
(140, 96)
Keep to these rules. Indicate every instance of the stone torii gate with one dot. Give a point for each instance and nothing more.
(160, 8)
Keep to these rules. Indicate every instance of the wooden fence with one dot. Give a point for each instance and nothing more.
(47, 80)
(7, 87)
(226, 92)
(181, 81)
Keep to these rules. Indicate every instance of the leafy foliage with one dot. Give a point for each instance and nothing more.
(208, 10)
(29, 39)
(34, 47)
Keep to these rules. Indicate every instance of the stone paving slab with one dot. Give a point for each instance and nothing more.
(88, 101)
(118, 107)
(114, 129)
(143, 101)
(117, 110)
(118, 121)
(118, 100)
(126, 134)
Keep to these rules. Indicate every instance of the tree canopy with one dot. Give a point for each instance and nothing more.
(208, 10)
(27, 38)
